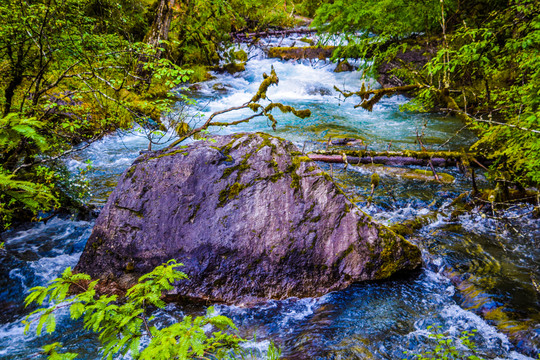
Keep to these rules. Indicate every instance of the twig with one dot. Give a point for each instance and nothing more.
(434, 172)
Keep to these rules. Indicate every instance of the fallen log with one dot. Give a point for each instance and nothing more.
(397, 158)
(243, 36)
(305, 52)
(386, 160)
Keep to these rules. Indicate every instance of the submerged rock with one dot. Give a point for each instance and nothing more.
(343, 66)
(249, 216)
(232, 68)
(318, 90)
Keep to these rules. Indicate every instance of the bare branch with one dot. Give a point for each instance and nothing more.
(365, 94)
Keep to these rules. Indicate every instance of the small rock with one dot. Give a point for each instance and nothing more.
(344, 66)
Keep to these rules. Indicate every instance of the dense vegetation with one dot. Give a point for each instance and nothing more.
(124, 327)
(72, 71)
(481, 63)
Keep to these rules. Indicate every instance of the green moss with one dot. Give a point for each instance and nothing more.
(230, 193)
(308, 41)
(130, 267)
(240, 55)
(307, 52)
(344, 254)
(296, 161)
(395, 257)
(200, 73)
(130, 172)
(194, 213)
(408, 227)
(240, 168)
(97, 243)
(233, 68)
(170, 153)
(423, 174)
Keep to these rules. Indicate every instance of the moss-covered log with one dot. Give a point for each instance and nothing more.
(295, 53)
(398, 158)
(241, 36)
(408, 227)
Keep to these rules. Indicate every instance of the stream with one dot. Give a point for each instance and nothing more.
(481, 270)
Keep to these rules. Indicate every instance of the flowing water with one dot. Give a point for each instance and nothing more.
(481, 271)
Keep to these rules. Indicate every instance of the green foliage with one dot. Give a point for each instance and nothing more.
(482, 59)
(445, 348)
(494, 69)
(70, 72)
(200, 31)
(51, 352)
(507, 52)
(121, 324)
(395, 18)
(376, 30)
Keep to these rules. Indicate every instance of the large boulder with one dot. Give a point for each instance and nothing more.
(249, 216)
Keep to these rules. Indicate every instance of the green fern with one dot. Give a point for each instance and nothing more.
(122, 323)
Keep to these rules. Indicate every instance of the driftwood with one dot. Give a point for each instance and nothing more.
(397, 158)
(241, 36)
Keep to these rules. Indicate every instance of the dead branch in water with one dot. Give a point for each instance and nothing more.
(241, 36)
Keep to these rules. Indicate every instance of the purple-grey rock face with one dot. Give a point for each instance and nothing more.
(249, 216)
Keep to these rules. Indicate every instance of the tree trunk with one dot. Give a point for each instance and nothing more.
(161, 26)
(158, 32)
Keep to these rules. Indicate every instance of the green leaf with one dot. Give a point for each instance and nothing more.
(76, 310)
(50, 323)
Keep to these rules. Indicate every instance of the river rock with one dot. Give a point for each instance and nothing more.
(343, 66)
(249, 216)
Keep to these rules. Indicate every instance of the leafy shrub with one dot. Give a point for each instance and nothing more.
(121, 324)
(448, 349)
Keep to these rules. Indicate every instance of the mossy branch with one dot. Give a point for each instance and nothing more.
(371, 97)
(253, 105)
(400, 158)
(265, 84)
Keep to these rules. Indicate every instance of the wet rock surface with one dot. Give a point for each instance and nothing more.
(344, 66)
(250, 217)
